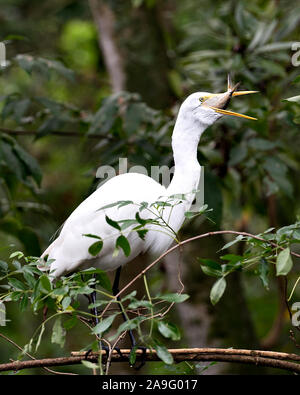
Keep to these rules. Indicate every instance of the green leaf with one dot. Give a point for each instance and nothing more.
(61, 290)
(133, 117)
(123, 203)
(43, 66)
(58, 332)
(130, 296)
(211, 272)
(92, 236)
(49, 125)
(123, 243)
(112, 223)
(105, 117)
(84, 290)
(191, 214)
(17, 254)
(217, 290)
(24, 303)
(140, 303)
(66, 302)
(169, 330)
(140, 220)
(277, 171)
(11, 162)
(236, 240)
(127, 325)
(45, 285)
(119, 203)
(233, 258)
(261, 144)
(104, 281)
(284, 262)
(17, 284)
(104, 325)
(174, 297)
(163, 354)
(125, 223)
(3, 266)
(263, 271)
(210, 267)
(40, 337)
(16, 264)
(132, 356)
(142, 233)
(89, 364)
(95, 248)
(69, 324)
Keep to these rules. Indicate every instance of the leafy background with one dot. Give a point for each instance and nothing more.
(62, 118)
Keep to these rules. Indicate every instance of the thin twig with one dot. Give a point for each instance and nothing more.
(60, 133)
(30, 356)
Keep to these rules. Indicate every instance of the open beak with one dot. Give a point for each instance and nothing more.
(219, 101)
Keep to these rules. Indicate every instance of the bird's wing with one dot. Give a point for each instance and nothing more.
(70, 249)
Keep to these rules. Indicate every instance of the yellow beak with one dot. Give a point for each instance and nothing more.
(235, 114)
(240, 93)
(218, 102)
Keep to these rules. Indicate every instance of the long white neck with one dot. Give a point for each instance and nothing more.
(185, 140)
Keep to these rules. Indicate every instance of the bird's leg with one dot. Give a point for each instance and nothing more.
(92, 300)
(115, 289)
(94, 312)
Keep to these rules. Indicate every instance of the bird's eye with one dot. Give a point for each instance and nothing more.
(201, 99)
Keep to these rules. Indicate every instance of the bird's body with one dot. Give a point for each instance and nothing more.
(69, 251)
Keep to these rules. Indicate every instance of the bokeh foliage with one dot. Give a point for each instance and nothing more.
(56, 82)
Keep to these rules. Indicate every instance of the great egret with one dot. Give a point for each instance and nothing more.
(69, 251)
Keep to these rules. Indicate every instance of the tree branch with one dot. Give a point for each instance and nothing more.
(272, 359)
(53, 132)
(30, 356)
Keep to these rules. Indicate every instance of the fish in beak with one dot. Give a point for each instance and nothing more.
(219, 101)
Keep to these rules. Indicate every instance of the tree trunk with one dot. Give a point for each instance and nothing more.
(134, 50)
(105, 23)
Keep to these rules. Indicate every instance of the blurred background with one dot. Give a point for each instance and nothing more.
(89, 82)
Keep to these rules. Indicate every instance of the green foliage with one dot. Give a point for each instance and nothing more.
(217, 290)
(284, 262)
(44, 66)
(266, 249)
(251, 168)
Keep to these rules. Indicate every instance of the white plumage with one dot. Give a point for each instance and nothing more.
(70, 250)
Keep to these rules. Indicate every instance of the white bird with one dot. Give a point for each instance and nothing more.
(69, 251)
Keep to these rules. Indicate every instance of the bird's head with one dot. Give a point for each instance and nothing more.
(206, 107)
